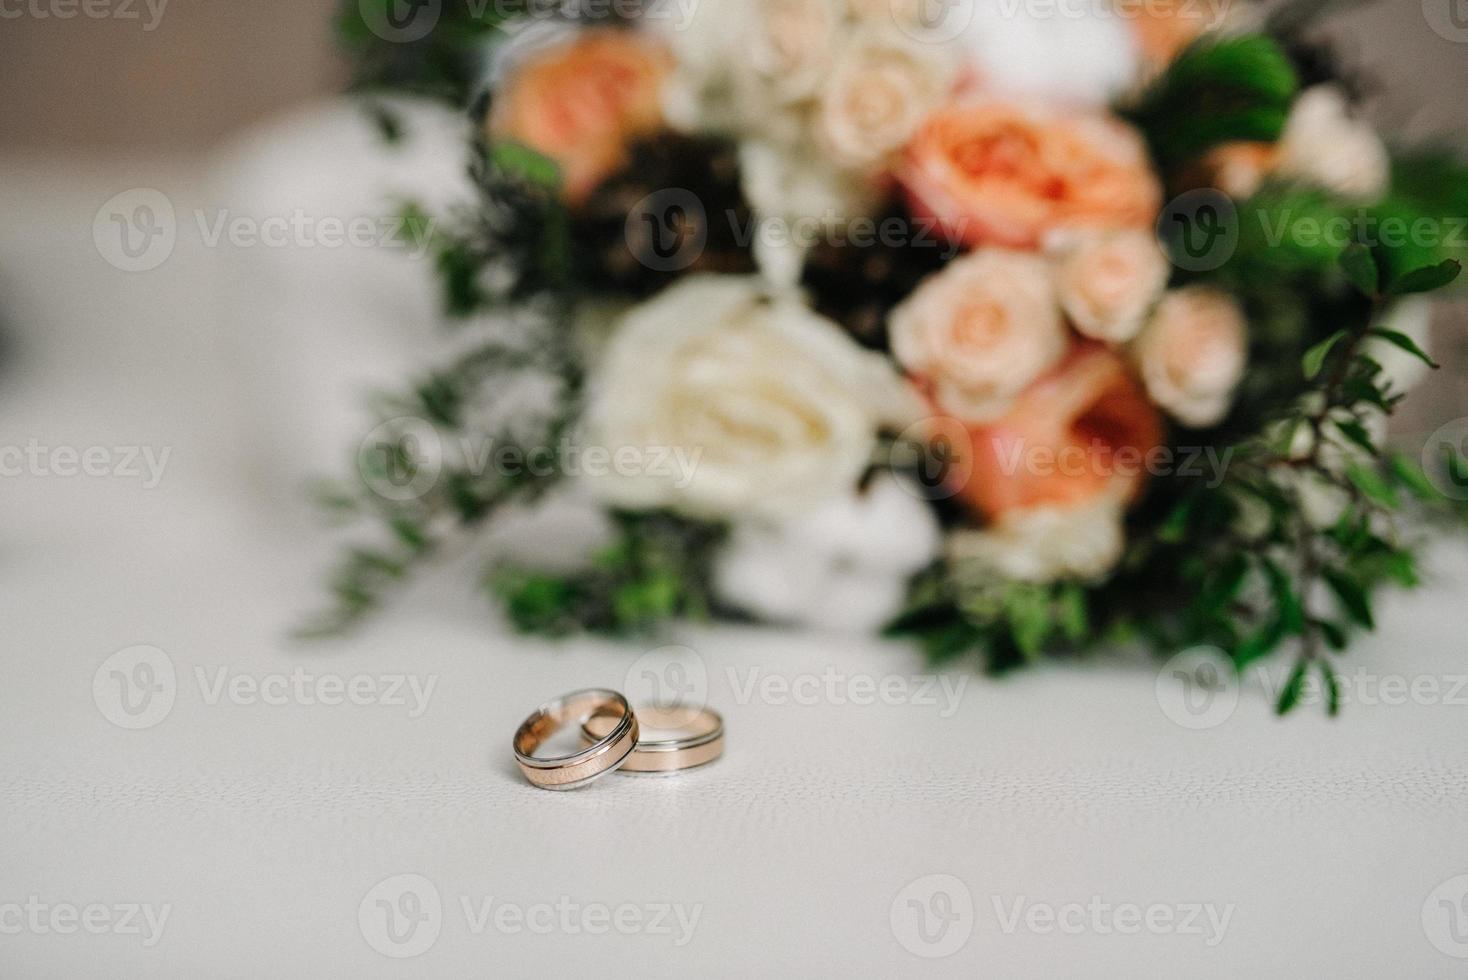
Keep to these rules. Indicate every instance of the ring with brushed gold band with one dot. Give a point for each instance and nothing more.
(611, 715)
(696, 738)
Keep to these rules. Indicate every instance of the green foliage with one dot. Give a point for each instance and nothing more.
(658, 569)
(512, 246)
(1006, 623)
(1219, 90)
(1241, 564)
(408, 498)
(442, 63)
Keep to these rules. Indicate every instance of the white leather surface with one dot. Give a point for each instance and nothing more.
(265, 829)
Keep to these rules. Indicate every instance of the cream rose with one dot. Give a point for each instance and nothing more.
(1192, 354)
(980, 331)
(1045, 543)
(881, 88)
(793, 44)
(1109, 281)
(776, 407)
(1324, 143)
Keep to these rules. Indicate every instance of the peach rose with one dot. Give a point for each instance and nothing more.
(581, 102)
(1008, 174)
(1108, 282)
(979, 331)
(1078, 435)
(1192, 354)
(1238, 169)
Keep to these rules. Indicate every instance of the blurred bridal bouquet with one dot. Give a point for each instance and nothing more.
(1019, 328)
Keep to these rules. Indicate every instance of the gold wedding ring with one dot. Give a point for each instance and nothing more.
(701, 738)
(608, 710)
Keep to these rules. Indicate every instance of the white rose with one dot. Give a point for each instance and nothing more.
(1323, 143)
(1045, 543)
(882, 87)
(774, 407)
(981, 330)
(844, 566)
(750, 66)
(1109, 281)
(1192, 354)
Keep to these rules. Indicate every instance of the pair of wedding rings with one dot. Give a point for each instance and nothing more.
(613, 740)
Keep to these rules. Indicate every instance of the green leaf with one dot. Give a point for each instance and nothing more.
(1290, 611)
(1332, 684)
(1335, 637)
(1218, 90)
(519, 160)
(1360, 267)
(1027, 609)
(1353, 598)
(1356, 432)
(1175, 528)
(1410, 475)
(945, 645)
(1407, 344)
(1427, 279)
(1289, 696)
(1370, 482)
(1072, 613)
(1315, 356)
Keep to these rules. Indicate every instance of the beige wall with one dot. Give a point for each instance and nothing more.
(212, 65)
(208, 66)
